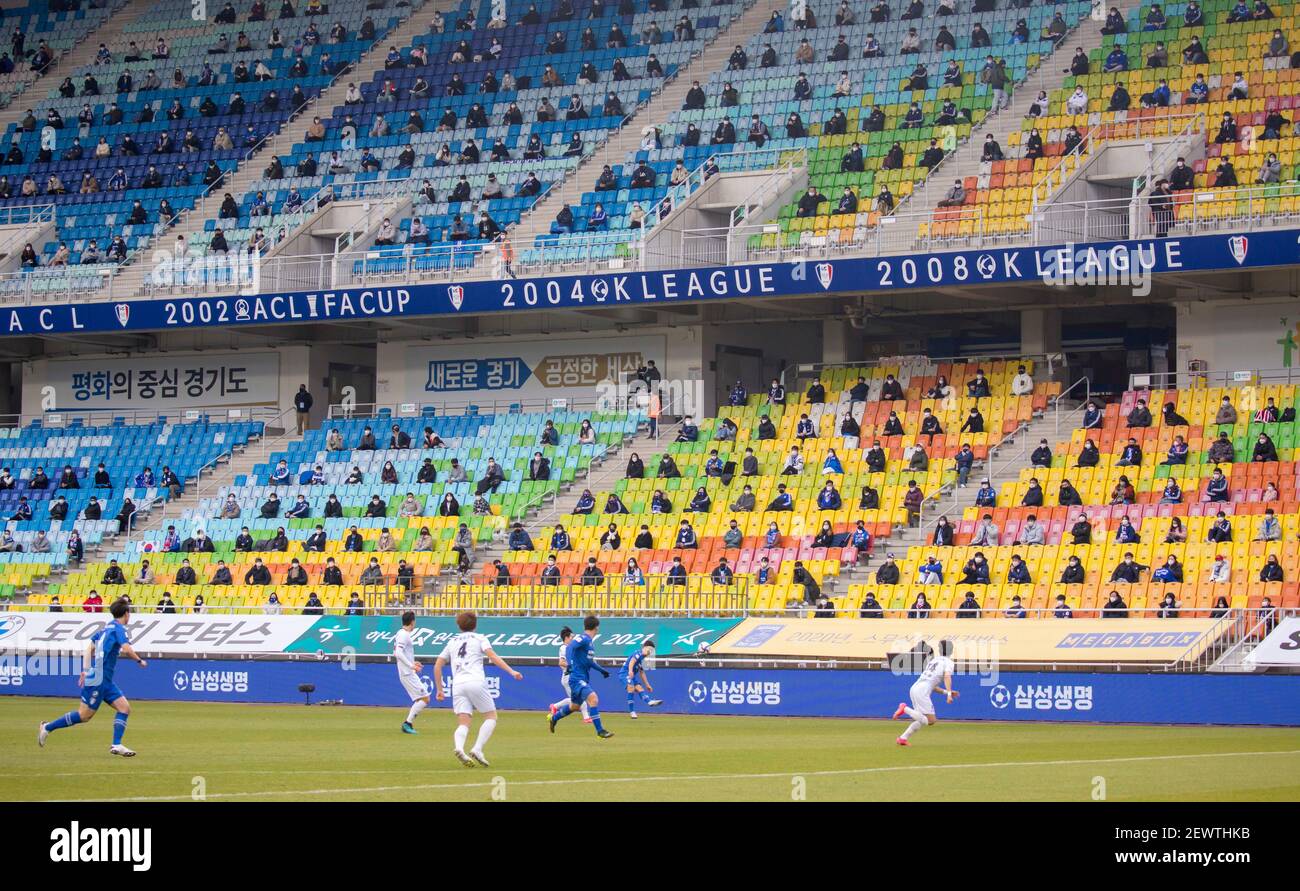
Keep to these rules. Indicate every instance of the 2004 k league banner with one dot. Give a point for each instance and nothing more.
(232, 635)
(1202, 253)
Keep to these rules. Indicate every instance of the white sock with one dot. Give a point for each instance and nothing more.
(584, 710)
(461, 734)
(484, 734)
(416, 707)
(912, 713)
(913, 727)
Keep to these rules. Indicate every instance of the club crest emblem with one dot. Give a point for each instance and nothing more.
(824, 274)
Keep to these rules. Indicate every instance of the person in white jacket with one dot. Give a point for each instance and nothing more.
(1220, 570)
(1022, 384)
(794, 463)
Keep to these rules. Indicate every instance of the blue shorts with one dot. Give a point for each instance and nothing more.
(93, 697)
(579, 690)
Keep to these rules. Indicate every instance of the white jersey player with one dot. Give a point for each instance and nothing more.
(937, 675)
(466, 652)
(566, 634)
(408, 671)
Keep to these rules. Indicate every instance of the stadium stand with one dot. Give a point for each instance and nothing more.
(162, 117)
(1150, 79)
(470, 440)
(40, 35)
(1091, 526)
(790, 539)
(43, 509)
(832, 111)
(489, 130)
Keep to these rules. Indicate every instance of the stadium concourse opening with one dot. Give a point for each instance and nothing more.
(724, 384)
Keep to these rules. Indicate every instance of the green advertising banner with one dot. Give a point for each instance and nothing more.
(510, 636)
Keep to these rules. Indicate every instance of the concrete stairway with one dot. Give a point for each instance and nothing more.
(660, 107)
(110, 33)
(132, 276)
(1050, 73)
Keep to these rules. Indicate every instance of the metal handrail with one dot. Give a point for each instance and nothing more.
(806, 370)
(1087, 395)
(93, 418)
(415, 410)
(1168, 380)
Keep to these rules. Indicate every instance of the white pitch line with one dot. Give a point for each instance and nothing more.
(705, 776)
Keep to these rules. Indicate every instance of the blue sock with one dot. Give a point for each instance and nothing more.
(645, 697)
(564, 711)
(119, 728)
(631, 702)
(67, 720)
(594, 713)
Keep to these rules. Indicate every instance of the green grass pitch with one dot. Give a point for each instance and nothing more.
(322, 753)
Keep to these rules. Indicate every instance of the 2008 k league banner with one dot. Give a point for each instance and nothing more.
(1057, 264)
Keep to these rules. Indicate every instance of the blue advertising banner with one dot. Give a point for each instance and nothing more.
(1097, 262)
(1019, 696)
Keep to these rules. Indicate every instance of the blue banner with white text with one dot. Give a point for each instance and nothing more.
(1011, 696)
(1066, 264)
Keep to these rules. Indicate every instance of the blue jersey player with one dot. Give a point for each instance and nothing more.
(96, 681)
(579, 658)
(634, 668)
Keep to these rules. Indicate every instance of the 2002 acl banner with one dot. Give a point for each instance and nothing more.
(1059, 264)
(1012, 696)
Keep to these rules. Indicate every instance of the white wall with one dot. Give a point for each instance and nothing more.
(1237, 335)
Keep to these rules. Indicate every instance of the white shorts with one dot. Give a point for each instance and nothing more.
(413, 685)
(564, 685)
(920, 694)
(469, 698)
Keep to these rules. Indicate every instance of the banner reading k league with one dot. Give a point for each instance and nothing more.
(1060, 264)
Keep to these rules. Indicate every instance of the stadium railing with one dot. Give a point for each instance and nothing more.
(1241, 378)
(1196, 212)
(102, 417)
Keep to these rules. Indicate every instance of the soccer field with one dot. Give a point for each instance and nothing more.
(254, 752)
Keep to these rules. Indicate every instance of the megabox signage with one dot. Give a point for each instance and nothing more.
(1200, 253)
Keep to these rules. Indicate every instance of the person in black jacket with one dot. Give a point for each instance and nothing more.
(1128, 570)
(1068, 496)
(811, 590)
(1073, 574)
(258, 574)
(888, 572)
(871, 608)
(1271, 570)
(1115, 607)
(1042, 456)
